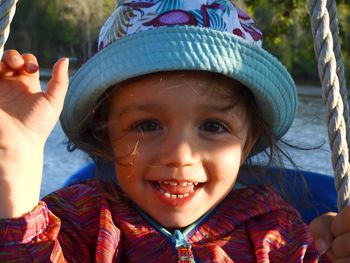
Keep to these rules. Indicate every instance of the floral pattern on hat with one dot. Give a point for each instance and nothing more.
(132, 16)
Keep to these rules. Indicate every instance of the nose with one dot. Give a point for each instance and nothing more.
(178, 150)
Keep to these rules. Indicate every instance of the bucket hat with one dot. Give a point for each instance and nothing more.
(148, 36)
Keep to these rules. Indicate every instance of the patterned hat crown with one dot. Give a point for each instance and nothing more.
(132, 16)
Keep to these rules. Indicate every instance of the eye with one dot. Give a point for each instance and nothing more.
(147, 126)
(213, 126)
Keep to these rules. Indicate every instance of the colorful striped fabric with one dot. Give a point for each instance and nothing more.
(78, 224)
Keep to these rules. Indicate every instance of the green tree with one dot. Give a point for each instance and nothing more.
(344, 24)
(83, 19)
(287, 33)
(55, 28)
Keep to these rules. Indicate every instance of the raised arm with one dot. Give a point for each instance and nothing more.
(27, 116)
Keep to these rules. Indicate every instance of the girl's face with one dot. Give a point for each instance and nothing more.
(179, 141)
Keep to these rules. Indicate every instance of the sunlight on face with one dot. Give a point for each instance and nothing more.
(178, 141)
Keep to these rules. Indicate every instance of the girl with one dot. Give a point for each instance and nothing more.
(178, 99)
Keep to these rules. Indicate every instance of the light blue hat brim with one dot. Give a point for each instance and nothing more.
(184, 48)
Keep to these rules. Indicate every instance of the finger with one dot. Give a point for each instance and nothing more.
(3, 68)
(343, 260)
(13, 59)
(331, 256)
(56, 88)
(31, 65)
(341, 246)
(321, 233)
(340, 224)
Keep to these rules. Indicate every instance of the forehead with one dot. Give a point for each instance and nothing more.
(203, 85)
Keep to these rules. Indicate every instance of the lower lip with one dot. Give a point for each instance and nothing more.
(174, 202)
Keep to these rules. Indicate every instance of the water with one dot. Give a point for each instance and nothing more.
(58, 163)
(308, 130)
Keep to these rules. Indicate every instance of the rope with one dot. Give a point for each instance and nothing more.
(327, 49)
(332, 7)
(7, 11)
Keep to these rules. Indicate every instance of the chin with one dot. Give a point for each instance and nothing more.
(176, 221)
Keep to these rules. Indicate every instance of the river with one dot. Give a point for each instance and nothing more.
(308, 131)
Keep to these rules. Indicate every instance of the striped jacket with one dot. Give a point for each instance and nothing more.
(79, 224)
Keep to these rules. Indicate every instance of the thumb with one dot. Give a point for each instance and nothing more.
(320, 229)
(57, 86)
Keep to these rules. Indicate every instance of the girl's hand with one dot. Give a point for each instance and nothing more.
(27, 116)
(331, 233)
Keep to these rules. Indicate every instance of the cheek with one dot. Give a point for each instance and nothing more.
(231, 151)
(124, 175)
(127, 178)
(129, 160)
(226, 162)
(124, 147)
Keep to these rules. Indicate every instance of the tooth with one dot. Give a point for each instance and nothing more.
(173, 196)
(180, 196)
(183, 184)
(196, 184)
(172, 183)
(185, 195)
(167, 194)
(165, 182)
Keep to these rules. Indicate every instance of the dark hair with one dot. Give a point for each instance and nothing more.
(92, 138)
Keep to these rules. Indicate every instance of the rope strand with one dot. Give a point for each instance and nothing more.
(326, 47)
(332, 8)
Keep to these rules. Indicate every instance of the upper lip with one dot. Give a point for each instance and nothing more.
(177, 183)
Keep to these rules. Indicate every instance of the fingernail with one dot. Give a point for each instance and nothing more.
(31, 67)
(321, 246)
(66, 62)
(16, 60)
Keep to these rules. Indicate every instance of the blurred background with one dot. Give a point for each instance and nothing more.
(55, 28)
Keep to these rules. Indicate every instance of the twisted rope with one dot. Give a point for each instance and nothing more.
(7, 11)
(332, 9)
(327, 49)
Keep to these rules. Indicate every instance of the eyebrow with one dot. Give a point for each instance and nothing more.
(142, 107)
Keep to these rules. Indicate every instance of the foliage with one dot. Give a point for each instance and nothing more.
(344, 24)
(287, 33)
(55, 28)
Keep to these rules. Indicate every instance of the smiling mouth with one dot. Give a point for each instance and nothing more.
(176, 189)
